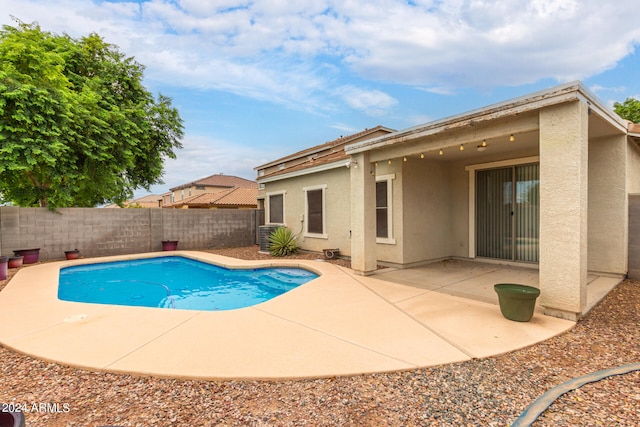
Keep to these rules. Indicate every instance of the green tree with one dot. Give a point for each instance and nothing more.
(629, 109)
(77, 127)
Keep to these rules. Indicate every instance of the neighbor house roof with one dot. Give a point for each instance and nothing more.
(316, 156)
(150, 201)
(219, 180)
(233, 197)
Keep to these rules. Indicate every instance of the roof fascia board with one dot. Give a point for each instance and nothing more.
(573, 91)
(305, 171)
(522, 125)
(294, 156)
(322, 147)
(606, 113)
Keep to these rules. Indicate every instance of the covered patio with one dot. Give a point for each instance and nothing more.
(540, 181)
(474, 280)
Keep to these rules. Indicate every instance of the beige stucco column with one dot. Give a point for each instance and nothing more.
(608, 205)
(363, 215)
(563, 209)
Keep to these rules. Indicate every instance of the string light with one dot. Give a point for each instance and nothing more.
(512, 138)
(389, 161)
(484, 143)
(441, 152)
(404, 158)
(461, 147)
(422, 155)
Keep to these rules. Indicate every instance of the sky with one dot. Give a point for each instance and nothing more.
(255, 80)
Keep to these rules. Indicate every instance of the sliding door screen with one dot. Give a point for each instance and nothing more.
(508, 213)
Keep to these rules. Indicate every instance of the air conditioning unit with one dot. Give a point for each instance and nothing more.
(264, 233)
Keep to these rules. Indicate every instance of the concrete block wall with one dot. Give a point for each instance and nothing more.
(103, 232)
(634, 237)
(197, 229)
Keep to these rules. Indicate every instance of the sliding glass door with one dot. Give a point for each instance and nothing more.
(508, 213)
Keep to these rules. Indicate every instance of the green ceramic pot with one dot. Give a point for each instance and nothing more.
(517, 302)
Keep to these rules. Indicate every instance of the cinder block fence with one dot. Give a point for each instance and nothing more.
(103, 232)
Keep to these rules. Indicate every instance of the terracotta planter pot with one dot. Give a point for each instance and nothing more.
(15, 261)
(74, 254)
(4, 262)
(31, 256)
(169, 245)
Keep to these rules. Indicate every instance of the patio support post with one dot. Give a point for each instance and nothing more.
(363, 215)
(608, 205)
(563, 209)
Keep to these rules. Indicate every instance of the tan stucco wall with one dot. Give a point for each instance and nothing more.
(393, 252)
(427, 214)
(563, 217)
(337, 202)
(607, 205)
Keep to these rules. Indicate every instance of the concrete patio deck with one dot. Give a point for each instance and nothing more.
(338, 324)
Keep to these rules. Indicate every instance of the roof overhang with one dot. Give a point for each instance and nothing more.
(569, 92)
(305, 171)
(322, 147)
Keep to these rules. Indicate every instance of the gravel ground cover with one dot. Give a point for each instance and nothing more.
(484, 392)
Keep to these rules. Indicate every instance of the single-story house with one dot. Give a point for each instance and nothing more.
(542, 180)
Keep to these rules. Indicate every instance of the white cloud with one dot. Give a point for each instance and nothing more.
(202, 156)
(345, 128)
(296, 53)
(370, 101)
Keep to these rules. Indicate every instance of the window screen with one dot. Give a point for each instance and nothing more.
(382, 210)
(276, 209)
(314, 214)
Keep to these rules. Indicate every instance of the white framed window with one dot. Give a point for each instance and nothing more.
(275, 207)
(315, 211)
(384, 209)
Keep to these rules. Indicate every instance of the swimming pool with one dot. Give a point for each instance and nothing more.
(176, 282)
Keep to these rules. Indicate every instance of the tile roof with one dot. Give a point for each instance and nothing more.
(150, 201)
(237, 196)
(219, 180)
(328, 152)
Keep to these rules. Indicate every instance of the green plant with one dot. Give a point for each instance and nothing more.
(77, 125)
(283, 242)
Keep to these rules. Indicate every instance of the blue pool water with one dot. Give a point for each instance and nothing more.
(176, 282)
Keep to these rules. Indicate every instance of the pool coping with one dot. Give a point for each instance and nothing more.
(337, 324)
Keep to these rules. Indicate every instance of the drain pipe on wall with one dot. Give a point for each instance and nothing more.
(541, 404)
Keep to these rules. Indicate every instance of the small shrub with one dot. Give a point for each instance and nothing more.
(283, 242)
